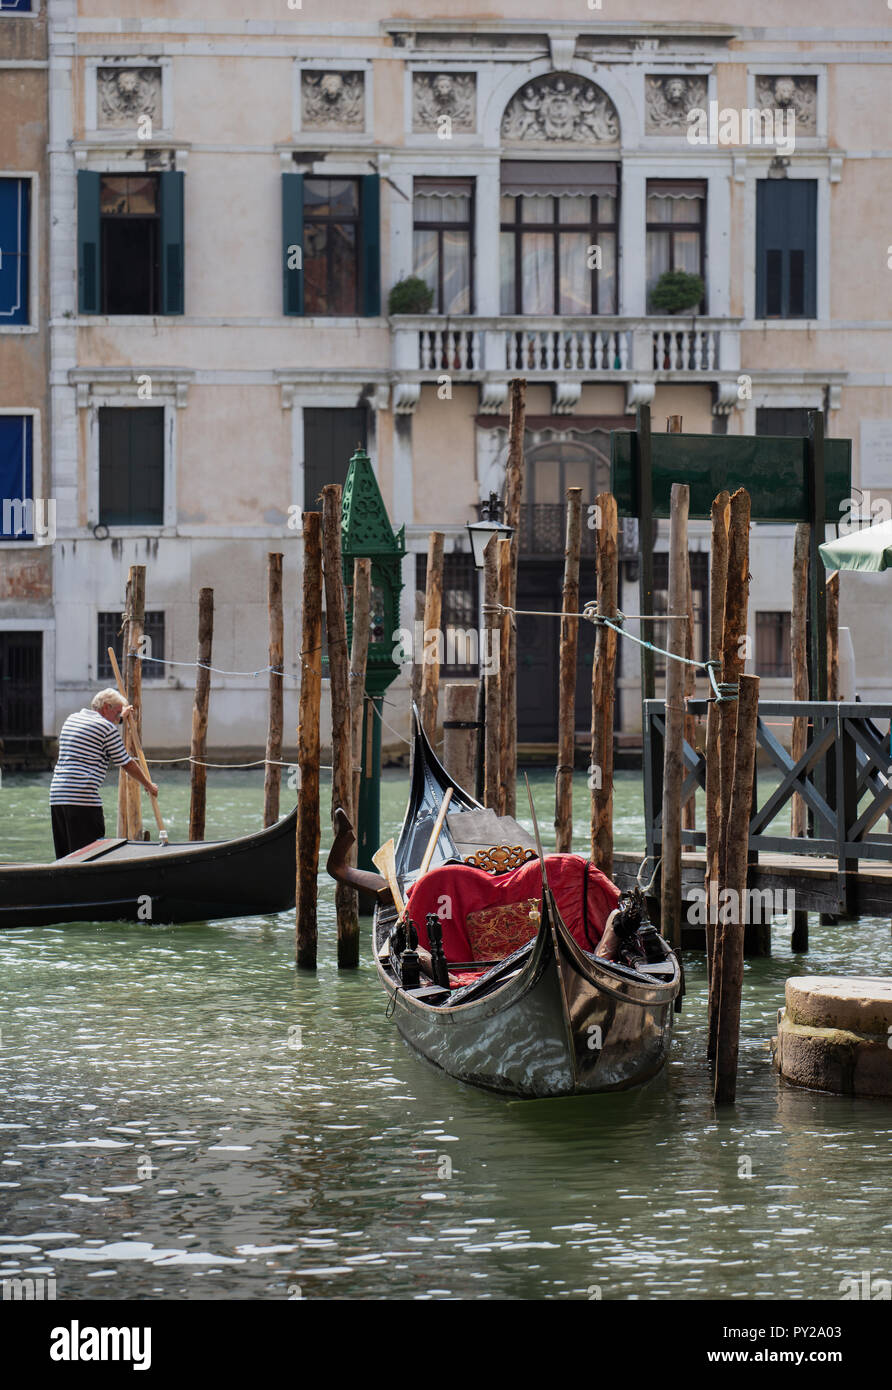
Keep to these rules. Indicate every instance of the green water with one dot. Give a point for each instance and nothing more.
(162, 1136)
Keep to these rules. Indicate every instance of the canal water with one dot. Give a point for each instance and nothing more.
(184, 1117)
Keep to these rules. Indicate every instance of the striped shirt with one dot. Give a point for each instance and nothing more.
(88, 743)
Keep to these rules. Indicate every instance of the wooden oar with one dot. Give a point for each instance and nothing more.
(162, 832)
(384, 859)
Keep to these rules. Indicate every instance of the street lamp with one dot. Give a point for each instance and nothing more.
(488, 524)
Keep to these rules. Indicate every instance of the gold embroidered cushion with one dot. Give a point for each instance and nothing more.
(494, 932)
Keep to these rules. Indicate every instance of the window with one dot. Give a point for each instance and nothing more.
(458, 617)
(130, 243)
(552, 468)
(15, 231)
(442, 241)
(774, 644)
(699, 563)
(791, 422)
(676, 214)
(331, 245)
(558, 238)
(130, 251)
(109, 634)
(786, 262)
(131, 466)
(16, 6)
(331, 437)
(16, 477)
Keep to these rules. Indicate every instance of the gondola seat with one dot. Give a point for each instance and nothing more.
(486, 916)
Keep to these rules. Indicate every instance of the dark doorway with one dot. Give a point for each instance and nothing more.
(21, 687)
(539, 587)
(331, 437)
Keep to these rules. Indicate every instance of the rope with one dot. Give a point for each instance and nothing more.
(260, 762)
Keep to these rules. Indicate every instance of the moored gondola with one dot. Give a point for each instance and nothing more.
(141, 881)
(549, 1013)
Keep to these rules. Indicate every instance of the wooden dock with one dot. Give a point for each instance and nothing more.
(813, 878)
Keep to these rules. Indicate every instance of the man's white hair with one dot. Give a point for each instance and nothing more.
(107, 697)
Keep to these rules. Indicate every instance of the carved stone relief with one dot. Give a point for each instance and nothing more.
(438, 94)
(668, 100)
(560, 109)
(798, 94)
(332, 100)
(126, 94)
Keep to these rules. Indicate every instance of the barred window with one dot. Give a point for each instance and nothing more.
(774, 644)
(458, 619)
(109, 635)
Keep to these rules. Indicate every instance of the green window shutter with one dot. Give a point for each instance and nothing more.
(786, 248)
(292, 243)
(172, 238)
(89, 278)
(371, 245)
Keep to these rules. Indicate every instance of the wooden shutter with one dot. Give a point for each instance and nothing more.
(172, 242)
(370, 232)
(292, 238)
(330, 439)
(131, 466)
(89, 278)
(786, 248)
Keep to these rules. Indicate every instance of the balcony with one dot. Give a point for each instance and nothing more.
(564, 350)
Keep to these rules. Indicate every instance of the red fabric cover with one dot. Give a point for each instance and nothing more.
(454, 890)
(494, 932)
(457, 978)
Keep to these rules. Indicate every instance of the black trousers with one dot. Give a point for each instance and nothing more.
(76, 826)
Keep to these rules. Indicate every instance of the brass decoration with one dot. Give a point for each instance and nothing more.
(500, 858)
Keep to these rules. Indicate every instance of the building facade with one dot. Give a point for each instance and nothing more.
(232, 201)
(27, 633)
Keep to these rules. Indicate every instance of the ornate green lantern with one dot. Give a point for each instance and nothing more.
(367, 534)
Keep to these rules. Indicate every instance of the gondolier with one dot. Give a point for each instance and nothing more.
(89, 744)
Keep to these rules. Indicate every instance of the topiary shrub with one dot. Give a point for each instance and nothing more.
(677, 290)
(410, 296)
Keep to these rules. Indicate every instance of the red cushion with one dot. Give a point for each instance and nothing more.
(496, 931)
(453, 891)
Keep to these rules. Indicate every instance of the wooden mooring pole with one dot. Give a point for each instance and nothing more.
(460, 731)
(718, 581)
(603, 680)
(492, 678)
(733, 648)
(431, 637)
(673, 753)
(514, 471)
(507, 710)
(832, 592)
(346, 900)
(199, 744)
(129, 796)
(799, 732)
(563, 782)
(731, 932)
(308, 832)
(272, 774)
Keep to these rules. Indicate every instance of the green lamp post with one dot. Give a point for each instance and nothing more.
(367, 533)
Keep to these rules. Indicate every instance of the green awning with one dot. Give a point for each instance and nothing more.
(869, 549)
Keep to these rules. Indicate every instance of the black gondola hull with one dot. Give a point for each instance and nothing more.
(553, 1021)
(157, 884)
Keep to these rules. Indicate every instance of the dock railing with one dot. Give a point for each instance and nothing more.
(844, 777)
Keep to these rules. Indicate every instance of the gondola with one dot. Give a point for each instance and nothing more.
(550, 1018)
(140, 881)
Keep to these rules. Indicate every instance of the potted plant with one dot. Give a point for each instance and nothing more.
(410, 296)
(677, 290)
